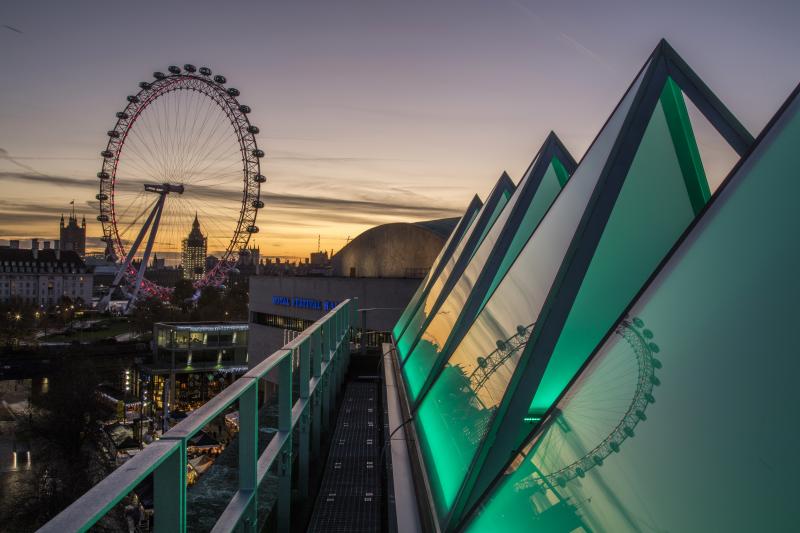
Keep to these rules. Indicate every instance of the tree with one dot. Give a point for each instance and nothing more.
(66, 423)
(209, 305)
(236, 300)
(17, 322)
(147, 312)
(181, 296)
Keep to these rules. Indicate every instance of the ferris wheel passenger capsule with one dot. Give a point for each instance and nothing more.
(219, 78)
(133, 99)
(113, 134)
(260, 178)
(233, 91)
(188, 67)
(258, 152)
(102, 197)
(253, 129)
(102, 218)
(122, 115)
(244, 109)
(174, 69)
(258, 204)
(159, 75)
(144, 85)
(103, 175)
(252, 229)
(205, 71)
(107, 154)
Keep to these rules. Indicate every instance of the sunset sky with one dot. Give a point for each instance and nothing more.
(370, 111)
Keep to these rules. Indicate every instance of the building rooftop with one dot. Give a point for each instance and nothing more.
(61, 258)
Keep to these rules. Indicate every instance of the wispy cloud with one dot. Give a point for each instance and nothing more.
(564, 37)
(358, 210)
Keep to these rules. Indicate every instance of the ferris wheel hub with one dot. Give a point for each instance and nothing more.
(163, 188)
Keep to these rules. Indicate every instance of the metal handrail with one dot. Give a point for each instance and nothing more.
(323, 352)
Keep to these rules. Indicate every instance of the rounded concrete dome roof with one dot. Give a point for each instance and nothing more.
(397, 250)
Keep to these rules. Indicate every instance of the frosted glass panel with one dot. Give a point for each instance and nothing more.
(688, 418)
(420, 361)
(484, 221)
(452, 418)
(433, 272)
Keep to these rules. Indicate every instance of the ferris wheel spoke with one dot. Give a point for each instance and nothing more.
(155, 159)
(185, 131)
(211, 220)
(228, 176)
(142, 162)
(200, 133)
(162, 138)
(151, 145)
(206, 146)
(219, 133)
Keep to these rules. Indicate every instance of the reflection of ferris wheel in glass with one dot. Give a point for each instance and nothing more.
(600, 412)
(506, 349)
(183, 147)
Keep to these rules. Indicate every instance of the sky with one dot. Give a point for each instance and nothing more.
(369, 111)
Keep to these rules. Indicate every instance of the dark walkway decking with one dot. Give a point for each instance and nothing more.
(350, 496)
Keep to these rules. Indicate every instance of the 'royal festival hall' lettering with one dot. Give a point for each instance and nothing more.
(304, 303)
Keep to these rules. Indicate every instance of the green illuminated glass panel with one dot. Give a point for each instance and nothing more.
(423, 357)
(406, 340)
(432, 273)
(654, 207)
(687, 418)
(452, 418)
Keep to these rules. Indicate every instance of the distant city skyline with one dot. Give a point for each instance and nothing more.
(369, 112)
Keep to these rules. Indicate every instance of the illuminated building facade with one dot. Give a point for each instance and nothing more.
(193, 253)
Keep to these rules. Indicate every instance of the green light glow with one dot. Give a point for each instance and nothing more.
(653, 208)
(723, 312)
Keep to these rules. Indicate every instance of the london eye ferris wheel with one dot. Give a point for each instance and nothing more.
(182, 149)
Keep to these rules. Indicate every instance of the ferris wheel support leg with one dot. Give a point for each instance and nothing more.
(146, 257)
(126, 263)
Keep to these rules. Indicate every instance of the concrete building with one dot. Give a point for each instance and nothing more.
(399, 250)
(382, 267)
(292, 303)
(195, 360)
(43, 277)
(193, 255)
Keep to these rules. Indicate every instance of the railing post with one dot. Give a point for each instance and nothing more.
(316, 423)
(363, 331)
(325, 345)
(285, 425)
(169, 491)
(248, 438)
(352, 305)
(333, 384)
(248, 455)
(304, 444)
(325, 400)
(314, 344)
(316, 354)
